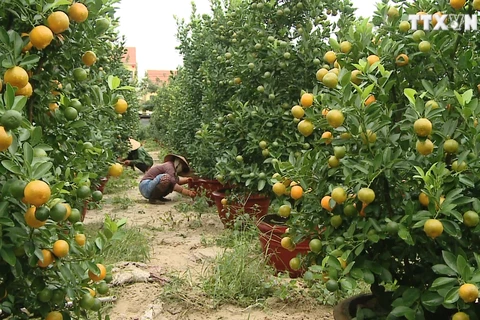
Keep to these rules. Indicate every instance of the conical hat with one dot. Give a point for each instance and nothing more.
(171, 157)
(135, 144)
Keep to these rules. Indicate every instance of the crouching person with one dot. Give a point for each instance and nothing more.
(161, 180)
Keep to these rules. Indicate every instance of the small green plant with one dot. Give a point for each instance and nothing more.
(238, 275)
(128, 244)
(150, 144)
(199, 206)
(122, 202)
(127, 181)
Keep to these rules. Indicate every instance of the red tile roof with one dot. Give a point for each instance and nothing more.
(159, 75)
(130, 58)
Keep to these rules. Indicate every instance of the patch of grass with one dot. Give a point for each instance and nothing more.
(239, 275)
(151, 144)
(199, 206)
(121, 202)
(127, 180)
(181, 288)
(128, 244)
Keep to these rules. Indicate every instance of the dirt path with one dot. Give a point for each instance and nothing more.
(177, 247)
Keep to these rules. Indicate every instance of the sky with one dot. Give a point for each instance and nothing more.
(151, 28)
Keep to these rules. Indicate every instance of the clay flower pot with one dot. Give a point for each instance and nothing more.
(270, 239)
(255, 205)
(206, 186)
(103, 182)
(347, 309)
(84, 210)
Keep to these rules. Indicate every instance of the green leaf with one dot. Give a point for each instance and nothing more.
(443, 270)
(67, 274)
(406, 236)
(78, 124)
(410, 296)
(452, 295)
(121, 222)
(4, 38)
(462, 265)
(12, 166)
(467, 96)
(30, 59)
(36, 136)
(428, 86)
(360, 248)
(55, 4)
(477, 259)
(113, 82)
(93, 267)
(4, 209)
(431, 299)
(451, 227)
(99, 242)
(27, 153)
(386, 276)
(129, 88)
(6, 222)
(443, 282)
(8, 255)
(403, 311)
(450, 259)
(459, 98)
(410, 94)
(334, 44)
(9, 96)
(41, 170)
(261, 185)
(475, 277)
(368, 276)
(19, 103)
(347, 284)
(17, 44)
(367, 91)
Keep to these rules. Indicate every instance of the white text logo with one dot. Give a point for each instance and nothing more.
(443, 22)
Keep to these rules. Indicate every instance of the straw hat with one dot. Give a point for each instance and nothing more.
(185, 165)
(135, 144)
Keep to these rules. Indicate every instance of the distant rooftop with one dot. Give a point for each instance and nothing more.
(130, 58)
(159, 75)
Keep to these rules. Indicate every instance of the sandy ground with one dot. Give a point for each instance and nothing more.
(176, 248)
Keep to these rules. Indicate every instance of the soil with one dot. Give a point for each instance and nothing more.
(177, 248)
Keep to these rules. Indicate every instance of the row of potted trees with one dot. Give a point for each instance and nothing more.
(363, 134)
(66, 111)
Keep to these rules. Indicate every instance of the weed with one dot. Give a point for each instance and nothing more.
(128, 244)
(151, 145)
(199, 206)
(181, 288)
(238, 275)
(126, 181)
(121, 202)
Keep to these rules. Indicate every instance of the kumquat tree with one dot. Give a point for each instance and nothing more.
(367, 131)
(66, 111)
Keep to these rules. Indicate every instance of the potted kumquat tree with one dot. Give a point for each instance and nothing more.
(391, 183)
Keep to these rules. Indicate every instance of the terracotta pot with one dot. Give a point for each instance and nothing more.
(347, 309)
(210, 186)
(196, 184)
(255, 205)
(84, 210)
(279, 257)
(205, 186)
(103, 182)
